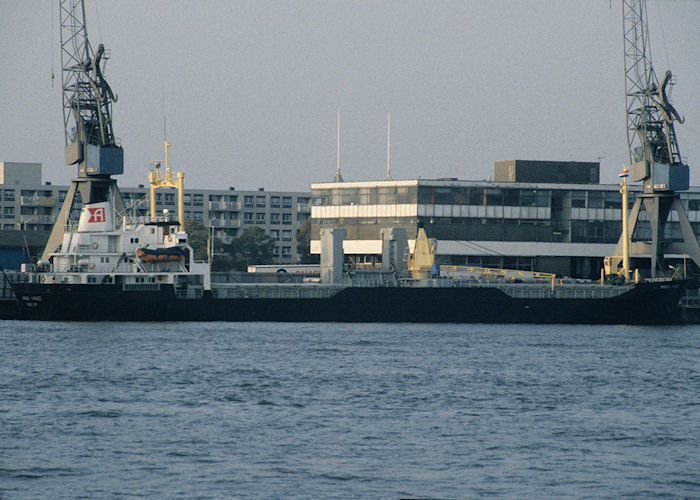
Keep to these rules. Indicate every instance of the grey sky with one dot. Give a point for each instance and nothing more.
(252, 88)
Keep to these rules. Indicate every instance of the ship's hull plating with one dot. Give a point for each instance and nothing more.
(648, 303)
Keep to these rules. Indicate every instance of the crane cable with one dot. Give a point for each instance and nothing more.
(476, 246)
(99, 24)
(663, 36)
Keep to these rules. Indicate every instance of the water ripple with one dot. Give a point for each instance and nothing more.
(347, 411)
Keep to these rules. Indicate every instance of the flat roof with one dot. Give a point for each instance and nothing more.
(483, 183)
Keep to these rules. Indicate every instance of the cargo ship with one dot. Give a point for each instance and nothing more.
(119, 268)
(108, 266)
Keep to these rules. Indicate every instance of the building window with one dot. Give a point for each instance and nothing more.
(511, 197)
(8, 227)
(613, 199)
(595, 199)
(475, 196)
(198, 200)
(159, 198)
(248, 201)
(494, 196)
(286, 252)
(274, 218)
(286, 218)
(247, 217)
(260, 218)
(275, 251)
(286, 202)
(9, 195)
(578, 199)
(596, 232)
(303, 204)
(197, 216)
(169, 198)
(275, 234)
(8, 212)
(275, 202)
(286, 235)
(527, 197)
(260, 201)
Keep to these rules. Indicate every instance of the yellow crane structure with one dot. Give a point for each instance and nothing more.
(171, 180)
(421, 263)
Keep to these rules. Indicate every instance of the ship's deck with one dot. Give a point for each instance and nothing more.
(524, 290)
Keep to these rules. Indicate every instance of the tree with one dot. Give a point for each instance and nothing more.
(198, 237)
(254, 246)
(304, 244)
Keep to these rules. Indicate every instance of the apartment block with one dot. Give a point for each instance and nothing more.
(28, 205)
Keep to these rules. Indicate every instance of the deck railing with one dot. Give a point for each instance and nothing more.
(276, 291)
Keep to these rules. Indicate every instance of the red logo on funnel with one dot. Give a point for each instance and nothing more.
(96, 214)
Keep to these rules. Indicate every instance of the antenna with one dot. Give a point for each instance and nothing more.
(165, 136)
(338, 177)
(388, 147)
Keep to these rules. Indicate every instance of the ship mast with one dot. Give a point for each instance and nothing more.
(655, 158)
(87, 122)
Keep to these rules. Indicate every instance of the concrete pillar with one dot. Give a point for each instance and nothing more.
(394, 250)
(332, 256)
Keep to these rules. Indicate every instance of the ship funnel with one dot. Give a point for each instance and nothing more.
(95, 217)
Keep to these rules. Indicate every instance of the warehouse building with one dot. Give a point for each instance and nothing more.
(541, 216)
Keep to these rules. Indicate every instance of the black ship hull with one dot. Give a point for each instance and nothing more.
(646, 303)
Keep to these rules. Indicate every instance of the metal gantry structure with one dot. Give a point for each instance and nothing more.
(654, 156)
(87, 98)
(87, 120)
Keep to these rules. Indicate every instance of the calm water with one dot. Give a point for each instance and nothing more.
(347, 411)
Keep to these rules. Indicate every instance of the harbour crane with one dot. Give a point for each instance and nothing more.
(654, 156)
(87, 119)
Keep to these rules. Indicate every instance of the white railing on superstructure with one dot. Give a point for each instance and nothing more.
(133, 222)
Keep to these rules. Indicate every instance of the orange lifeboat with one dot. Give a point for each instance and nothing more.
(173, 254)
